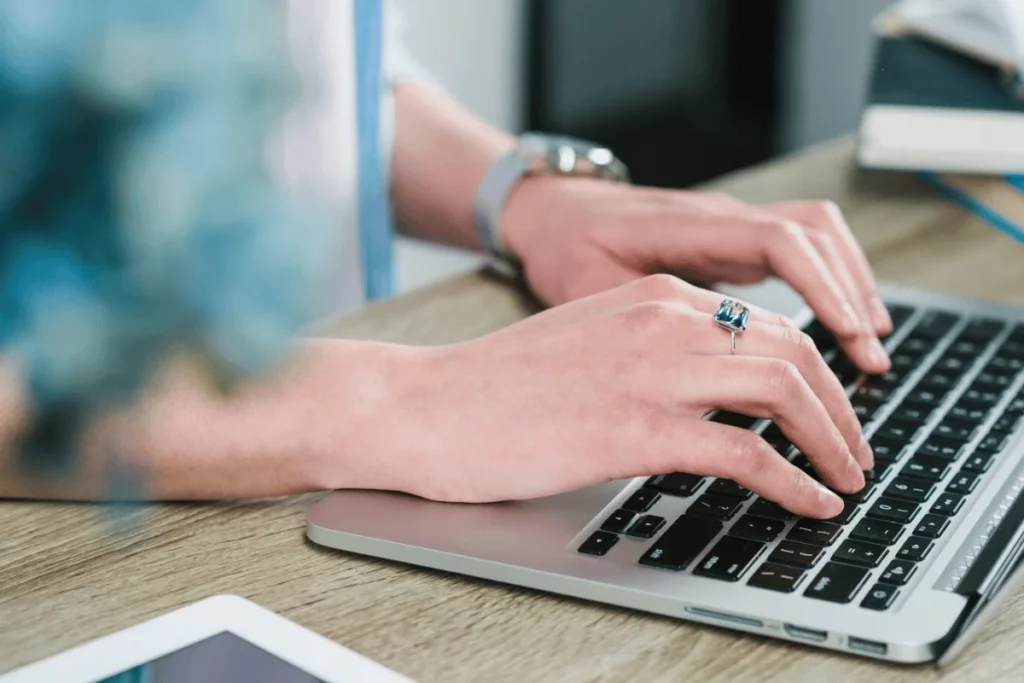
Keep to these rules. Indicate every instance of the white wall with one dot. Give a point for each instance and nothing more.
(475, 49)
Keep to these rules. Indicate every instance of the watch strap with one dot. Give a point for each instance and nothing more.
(494, 189)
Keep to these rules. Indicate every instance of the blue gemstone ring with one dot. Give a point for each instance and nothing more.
(732, 315)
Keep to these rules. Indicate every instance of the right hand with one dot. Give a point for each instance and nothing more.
(612, 386)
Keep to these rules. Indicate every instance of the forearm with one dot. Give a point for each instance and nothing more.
(295, 432)
(441, 153)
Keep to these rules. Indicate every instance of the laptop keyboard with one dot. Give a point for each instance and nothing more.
(937, 421)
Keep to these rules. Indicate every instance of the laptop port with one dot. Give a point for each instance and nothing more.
(802, 633)
(868, 646)
(733, 618)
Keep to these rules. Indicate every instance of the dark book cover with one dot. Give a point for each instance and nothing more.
(914, 72)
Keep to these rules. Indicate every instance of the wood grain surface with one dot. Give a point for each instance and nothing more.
(66, 579)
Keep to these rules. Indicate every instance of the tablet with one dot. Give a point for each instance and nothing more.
(223, 639)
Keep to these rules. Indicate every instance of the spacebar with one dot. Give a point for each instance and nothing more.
(681, 543)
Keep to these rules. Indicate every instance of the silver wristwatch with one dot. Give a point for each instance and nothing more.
(536, 154)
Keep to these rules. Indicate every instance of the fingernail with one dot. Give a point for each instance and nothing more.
(880, 314)
(831, 504)
(852, 322)
(855, 474)
(877, 353)
(867, 456)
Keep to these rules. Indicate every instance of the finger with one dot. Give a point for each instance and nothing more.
(772, 341)
(865, 351)
(827, 217)
(775, 389)
(744, 457)
(707, 301)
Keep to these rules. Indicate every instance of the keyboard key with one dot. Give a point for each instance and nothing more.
(676, 484)
(963, 483)
(953, 365)
(757, 528)
(938, 381)
(994, 442)
(599, 543)
(948, 504)
(860, 496)
(880, 597)
(766, 508)
(935, 324)
(775, 437)
(982, 329)
(1009, 365)
(979, 462)
(918, 414)
(711, 506)
(927, 397)
(898, 430)
(995, 382)
(727, 487)
(893, 510)
(877, 531)
(915, 549)
(850, 508)
(965, 348)
(983, 396)
(646, 527)
(1006, 424)
(927, 467)
(898, 573)
(837, 582)
(775, 577)
(619, 521)
(846, 372)
(795, 554)
(908, 488)
(642, 500)
(899, 315)
(724, 417)
(815, 532)
(955, 430)
(1016, 406)
(931, 526)
(1012, 348)
(864, 409)
(871, 393)
(904, 360)
(916, 346)
(729, 559)
(943, 449)
(886, 449)
(969, 412)
(681, 543)
(878, 472)
(860, 553)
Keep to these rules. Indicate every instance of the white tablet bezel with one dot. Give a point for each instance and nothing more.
(118, 652)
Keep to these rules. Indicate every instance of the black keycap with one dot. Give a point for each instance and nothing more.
(757, 528)
(766, 508)
(918, 414)
(822, 337)
(995, 382)
(846, 372)
(1007, 364)
(860, 496)
(795, 554)
(676, 484)
(993, 442)
(926, 397)
(877, 531)
(864, 409)
(837, 582)
(940, 448)
(727, 487)
(938, 381)
(878, 472)
(931, 526)
(880, 597)
(889, 380)
(711, 506)
(893, 510)
(1006, 424)
(869, 393)
(953, 365)
(725, 417)
(886, 449)
(927, 467)
(916, 346)
(1016, 406)
(599, 543)
(948, 504)
(814, 531)
(860, 553)
(955, 430)
(646, 527)
(850, 508)
(898, 430)
(982, 329)
(969, 412)
(979, 462)
(965, 348)
(935, 324)
(774, 436)
(898, 573)
(915, 549)
(729, 559)
(681, 543)
(899, 315)
(909, 488)
(1013, 348)
(775, 577)
(619, 521)
(642, 500)
(963, 483)
(982, 396)
(804, 463)
(904, 359)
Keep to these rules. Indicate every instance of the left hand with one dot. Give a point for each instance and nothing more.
(579, 236)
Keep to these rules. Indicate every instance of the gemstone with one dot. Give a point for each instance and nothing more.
(732, 315)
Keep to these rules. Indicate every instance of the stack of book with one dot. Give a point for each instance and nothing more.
(947, 101)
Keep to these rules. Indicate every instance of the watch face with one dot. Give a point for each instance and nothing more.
(562, 154)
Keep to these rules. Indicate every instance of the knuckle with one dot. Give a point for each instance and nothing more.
(649, 314)
(661, 286)
(782, 377)
(801, 343)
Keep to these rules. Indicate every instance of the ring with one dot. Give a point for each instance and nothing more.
(732, 315)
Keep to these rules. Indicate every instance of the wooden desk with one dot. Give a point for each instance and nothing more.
(63, 580)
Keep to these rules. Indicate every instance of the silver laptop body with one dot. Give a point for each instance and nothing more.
(965, 574)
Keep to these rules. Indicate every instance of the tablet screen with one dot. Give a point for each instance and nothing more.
(223, 658)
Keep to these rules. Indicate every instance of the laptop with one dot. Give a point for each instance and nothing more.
(908, 572)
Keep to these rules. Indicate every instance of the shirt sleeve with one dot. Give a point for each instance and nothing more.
(398, 63)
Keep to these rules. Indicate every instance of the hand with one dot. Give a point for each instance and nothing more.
(579, 236)
(614, 386)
